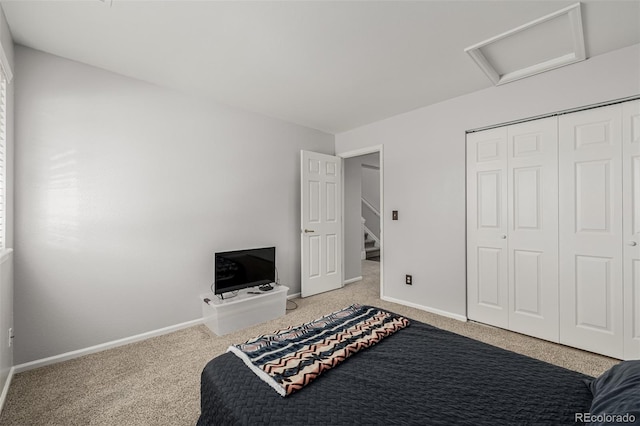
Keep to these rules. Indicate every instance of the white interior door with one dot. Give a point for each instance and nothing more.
(631, 227)
(487, 279)
(591, 230)
(532, 182)
(321, 222)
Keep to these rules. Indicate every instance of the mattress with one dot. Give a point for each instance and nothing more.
(420, 375)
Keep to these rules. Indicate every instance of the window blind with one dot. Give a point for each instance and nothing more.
(3, 158)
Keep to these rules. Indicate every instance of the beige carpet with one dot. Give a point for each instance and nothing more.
(157, 381)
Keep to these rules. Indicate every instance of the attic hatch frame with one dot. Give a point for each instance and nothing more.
(574, 15)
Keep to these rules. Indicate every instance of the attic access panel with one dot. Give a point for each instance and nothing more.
(549, 42)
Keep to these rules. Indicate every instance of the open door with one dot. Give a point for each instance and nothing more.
(321, 222)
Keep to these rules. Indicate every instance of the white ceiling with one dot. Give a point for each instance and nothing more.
(329, 65)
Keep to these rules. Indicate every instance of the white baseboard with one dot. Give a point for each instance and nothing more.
(352, 280)
(458, 317)
(101, 347)
(5, 389)
(293, 296)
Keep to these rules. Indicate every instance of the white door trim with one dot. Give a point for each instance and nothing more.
(357, 153)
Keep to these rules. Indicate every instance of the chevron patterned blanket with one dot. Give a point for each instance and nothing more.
(292, 358)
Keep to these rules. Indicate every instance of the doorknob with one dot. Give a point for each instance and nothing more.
(633, 243)
(306, 231)
(504, 237)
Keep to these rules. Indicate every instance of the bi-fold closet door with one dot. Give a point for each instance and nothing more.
(512, 227)
(553, 229)
(600, 230)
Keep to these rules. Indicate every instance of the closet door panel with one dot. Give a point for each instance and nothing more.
(487, 227)
(631, 227)
(532, 150)
(591, 281)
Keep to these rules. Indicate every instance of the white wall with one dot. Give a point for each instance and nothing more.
(125, 190)
(371, 191)
(352, 218)
(424, 166)
(371, 185)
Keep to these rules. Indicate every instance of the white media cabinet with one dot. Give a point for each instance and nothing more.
(224, 316)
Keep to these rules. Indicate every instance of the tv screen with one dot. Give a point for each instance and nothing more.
(235, 270)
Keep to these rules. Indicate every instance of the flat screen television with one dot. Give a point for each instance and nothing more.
(235, 270)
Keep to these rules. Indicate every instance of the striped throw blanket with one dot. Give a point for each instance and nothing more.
(290, 359)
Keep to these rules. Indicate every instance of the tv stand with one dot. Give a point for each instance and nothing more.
(224, 316)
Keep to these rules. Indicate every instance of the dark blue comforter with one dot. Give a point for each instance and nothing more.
(421, 375)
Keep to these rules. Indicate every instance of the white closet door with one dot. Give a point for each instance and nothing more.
(631, 230)
(533, 228)
(590, 163)
(487, 297)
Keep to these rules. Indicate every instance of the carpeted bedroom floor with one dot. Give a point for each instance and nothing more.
(157, 381)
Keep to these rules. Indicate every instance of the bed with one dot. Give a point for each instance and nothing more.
(418, 375)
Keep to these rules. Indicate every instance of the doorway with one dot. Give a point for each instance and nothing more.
(363, 223)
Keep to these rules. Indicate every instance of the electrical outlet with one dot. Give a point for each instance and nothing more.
(10, 336)
(408, 279)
